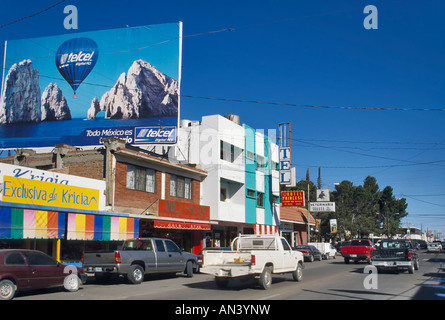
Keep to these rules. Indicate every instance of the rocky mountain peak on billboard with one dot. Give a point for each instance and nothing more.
(143, 92)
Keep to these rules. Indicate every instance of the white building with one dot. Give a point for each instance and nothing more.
(242, 187)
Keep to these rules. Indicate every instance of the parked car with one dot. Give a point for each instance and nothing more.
(201, 253)
(342, 244)
(310, 253)
(327, 250)
(434, 247)
(22, 270)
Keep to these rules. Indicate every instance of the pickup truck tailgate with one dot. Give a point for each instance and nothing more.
(226, 263)
(400, 254)
(99, 258)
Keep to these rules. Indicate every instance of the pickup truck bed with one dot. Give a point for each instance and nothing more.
(395, 254)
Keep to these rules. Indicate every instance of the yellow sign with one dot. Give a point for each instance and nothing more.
(27, 191)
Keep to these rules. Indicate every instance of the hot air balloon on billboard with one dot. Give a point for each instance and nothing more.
(75, 59)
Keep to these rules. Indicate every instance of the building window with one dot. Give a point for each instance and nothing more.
(275, 199)
(260, 199)
(260, 162)
(251, 193)
(141, 179)
(223, 194)
(250, 155)
(180, 187)
(227, 151)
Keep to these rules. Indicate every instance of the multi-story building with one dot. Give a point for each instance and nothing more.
(242, 183)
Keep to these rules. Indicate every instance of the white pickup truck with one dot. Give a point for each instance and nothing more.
(257, 256)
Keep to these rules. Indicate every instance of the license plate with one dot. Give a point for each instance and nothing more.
(98, 269)
(353, 256)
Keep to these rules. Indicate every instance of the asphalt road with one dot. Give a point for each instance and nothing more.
(322, 280)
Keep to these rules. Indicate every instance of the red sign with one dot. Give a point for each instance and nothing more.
(292, 198)
(182, 210)
(181, 225)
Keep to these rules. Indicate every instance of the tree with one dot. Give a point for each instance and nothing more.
(361, 210)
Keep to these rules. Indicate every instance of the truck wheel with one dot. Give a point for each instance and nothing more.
(221, 282)
(136, 274)
(411, 268)
(416, 265)
(298, 273)
(347, 260)
(189, 269)
(266, 278)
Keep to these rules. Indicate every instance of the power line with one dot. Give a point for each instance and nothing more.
(32, 15)
(313, 106)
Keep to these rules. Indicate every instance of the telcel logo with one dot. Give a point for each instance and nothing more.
(76, 57)
(155, 134)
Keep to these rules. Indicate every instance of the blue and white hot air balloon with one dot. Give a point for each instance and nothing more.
(75, 59)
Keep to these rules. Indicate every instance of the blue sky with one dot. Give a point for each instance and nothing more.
(313, 53)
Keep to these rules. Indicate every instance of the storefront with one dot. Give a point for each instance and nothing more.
(63, 235)
(185, 223)
(55, 213)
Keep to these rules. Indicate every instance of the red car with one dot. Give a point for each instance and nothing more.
(22, 270)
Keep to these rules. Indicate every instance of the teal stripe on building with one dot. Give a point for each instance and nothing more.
(250, 167)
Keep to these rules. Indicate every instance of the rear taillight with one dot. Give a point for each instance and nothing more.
(117, 257)
(409, 254)
(252, 259)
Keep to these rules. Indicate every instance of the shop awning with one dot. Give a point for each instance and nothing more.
(16, 223)
(98, 227)
(265, 229)
(181, 225)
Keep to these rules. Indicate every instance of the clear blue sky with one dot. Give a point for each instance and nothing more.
(314, 53)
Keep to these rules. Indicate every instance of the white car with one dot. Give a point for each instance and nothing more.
(434, 247)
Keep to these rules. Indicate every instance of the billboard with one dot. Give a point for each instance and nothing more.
(79, 88)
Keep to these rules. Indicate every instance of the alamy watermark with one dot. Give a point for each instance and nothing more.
(371, 281)
(71, 21)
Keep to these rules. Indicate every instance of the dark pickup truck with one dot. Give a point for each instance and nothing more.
(396, 254)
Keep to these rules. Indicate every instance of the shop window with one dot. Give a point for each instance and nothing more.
(141, 179)
(180, 187)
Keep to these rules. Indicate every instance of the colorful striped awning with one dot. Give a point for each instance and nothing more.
(98, 227)
(18, 223)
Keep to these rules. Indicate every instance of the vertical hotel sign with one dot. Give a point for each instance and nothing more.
(285, 153)
(35, 192)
